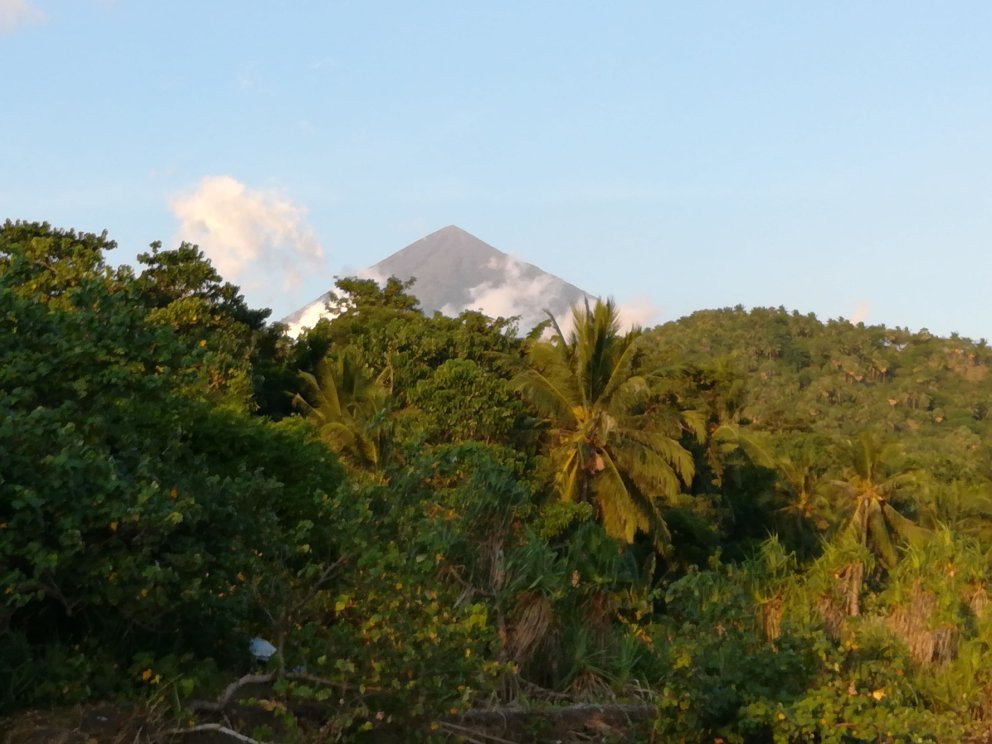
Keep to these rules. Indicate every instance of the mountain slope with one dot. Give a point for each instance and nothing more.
(456, 271)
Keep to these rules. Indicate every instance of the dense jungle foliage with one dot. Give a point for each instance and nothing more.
(754, 525)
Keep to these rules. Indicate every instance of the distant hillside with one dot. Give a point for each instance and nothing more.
(800, 376)
(456, 271)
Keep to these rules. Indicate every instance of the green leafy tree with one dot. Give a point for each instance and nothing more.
(612, 443)
(134, 520)
(387, 329)
(47, 264)
(462, 401)
(241, 357)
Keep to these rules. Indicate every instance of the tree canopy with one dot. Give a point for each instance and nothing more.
(740, 526)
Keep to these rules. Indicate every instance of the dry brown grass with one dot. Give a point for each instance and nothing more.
(532, 619)
(843, 600)
(911, 623)
(770, 618)
(978, 600)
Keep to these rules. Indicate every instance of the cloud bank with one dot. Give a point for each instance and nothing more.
(17, 13)
(514, 293)
(256, 239)
(518, 292)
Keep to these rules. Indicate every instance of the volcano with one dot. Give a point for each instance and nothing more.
(455, 271)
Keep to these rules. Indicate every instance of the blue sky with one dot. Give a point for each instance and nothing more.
(833, 157)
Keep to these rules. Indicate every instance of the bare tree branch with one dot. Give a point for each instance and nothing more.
(229, 692)
(216, 728)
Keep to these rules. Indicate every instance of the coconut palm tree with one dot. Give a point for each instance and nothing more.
(868, 491)
(866, 495)
(797, 483)
(349, 406)
(614, 443)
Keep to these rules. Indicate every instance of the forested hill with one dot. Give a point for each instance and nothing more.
(745, 527)
(791, 373)
(805, 398)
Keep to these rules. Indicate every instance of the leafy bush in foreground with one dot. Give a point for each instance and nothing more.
(132, 519)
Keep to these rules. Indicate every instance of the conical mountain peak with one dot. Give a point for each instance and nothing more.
(456, 237)
(455, 271)
(450, 230)
(451, 256)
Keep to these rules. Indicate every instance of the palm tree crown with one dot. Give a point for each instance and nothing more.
(349, 407)
(613, 443)
(868, 492)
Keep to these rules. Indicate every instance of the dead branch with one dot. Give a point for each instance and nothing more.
(471, 735)
(229, 692)
(544, 692)
(216, 728)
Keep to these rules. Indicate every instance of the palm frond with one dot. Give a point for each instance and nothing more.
(663, 448)
(558, 335)
(300, 403)
(631, 395)
(621, 516)
(620, 373)
(349, 405)
(548, 398)
(326, 386)
(695, 423)
(339, 436)
(905, 528)
(879, 533)
(569, 474)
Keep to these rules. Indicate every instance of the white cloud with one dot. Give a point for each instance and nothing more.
(861, 312)
(309, 317)
(256, 239)
(16, 13)
(639, 311)
(513, 294)
(516, 294)
(370, 272)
